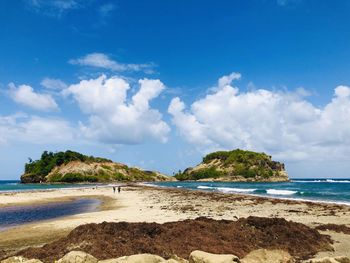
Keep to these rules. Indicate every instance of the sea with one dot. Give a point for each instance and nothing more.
(15, 186)
(320, 190)
(317, 190)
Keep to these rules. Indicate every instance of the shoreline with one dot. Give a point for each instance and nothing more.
(239, 191)
(246, 193)
(139, 203)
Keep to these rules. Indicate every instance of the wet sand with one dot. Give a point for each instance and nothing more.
(150, 204)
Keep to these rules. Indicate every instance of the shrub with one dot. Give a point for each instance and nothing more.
(49, 160)
(199, 174)
(76, 177)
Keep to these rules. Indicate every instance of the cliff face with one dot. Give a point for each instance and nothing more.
(236, 166)
(71, 167)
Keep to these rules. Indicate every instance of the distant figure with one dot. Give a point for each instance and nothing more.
(114, 189)
(119, 188)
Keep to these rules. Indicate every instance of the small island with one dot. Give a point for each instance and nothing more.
(74, 167)
(236, 166)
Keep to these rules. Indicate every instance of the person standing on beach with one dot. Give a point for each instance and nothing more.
(119, 188)
(113, 189)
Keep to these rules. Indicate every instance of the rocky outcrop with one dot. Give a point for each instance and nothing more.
(73, 167)
(268, 256)
(78, 257)
(236, 166)
(140, 258)
(198, 256)
(104, 172)
(20, 260)
(330, 260)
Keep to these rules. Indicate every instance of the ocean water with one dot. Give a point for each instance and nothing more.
(15, 185)
(321, 190)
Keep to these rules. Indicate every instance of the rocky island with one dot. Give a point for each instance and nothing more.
(236, 166)
(74, 167)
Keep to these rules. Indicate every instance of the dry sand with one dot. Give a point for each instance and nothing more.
(149, 204)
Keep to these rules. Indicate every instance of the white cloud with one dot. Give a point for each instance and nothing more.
(34, 129)
(26, 96)
(227, 80)
(55, 8)
(54, 84)
(280, 123)
(342, 91)
(100, 60)
(115, 119)
(106, 10)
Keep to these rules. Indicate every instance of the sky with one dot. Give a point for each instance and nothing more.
(158, 84)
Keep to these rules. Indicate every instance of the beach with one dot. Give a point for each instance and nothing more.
(138, 203)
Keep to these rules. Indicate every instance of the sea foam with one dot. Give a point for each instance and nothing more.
(280, 192)
(236, 190)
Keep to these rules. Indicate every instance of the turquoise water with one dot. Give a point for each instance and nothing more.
(325, 190)
(13, 185)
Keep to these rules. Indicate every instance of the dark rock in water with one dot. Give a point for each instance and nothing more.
(111, 240)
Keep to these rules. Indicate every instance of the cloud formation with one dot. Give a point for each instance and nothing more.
(55, 8)
(34, 129)
(54, 84)
(25, 95)
(280, 123)
(115, 119)
(103, 61)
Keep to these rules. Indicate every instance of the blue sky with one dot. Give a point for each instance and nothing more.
(158, 84)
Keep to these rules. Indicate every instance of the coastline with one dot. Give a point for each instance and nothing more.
(140, 203)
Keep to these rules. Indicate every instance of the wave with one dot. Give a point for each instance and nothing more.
(238, 190)
(309, 181)
(205, 187)
(228, 189)
(280, 192)
(337, 181)
(322, 181)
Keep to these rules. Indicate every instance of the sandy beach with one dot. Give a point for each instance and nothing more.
(152, 204)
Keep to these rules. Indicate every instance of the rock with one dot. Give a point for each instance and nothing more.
(268, 256)
(14, 260)
(176, 259)
(198, 256)
(77, 257)
(140, 258)
(330, 260)
(20, 260)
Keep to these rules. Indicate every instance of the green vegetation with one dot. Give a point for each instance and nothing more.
(234, 163)
(38, 169)
(74, 178)
(121, 177)
(199, 174)
(51, 168)
(240, 156)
